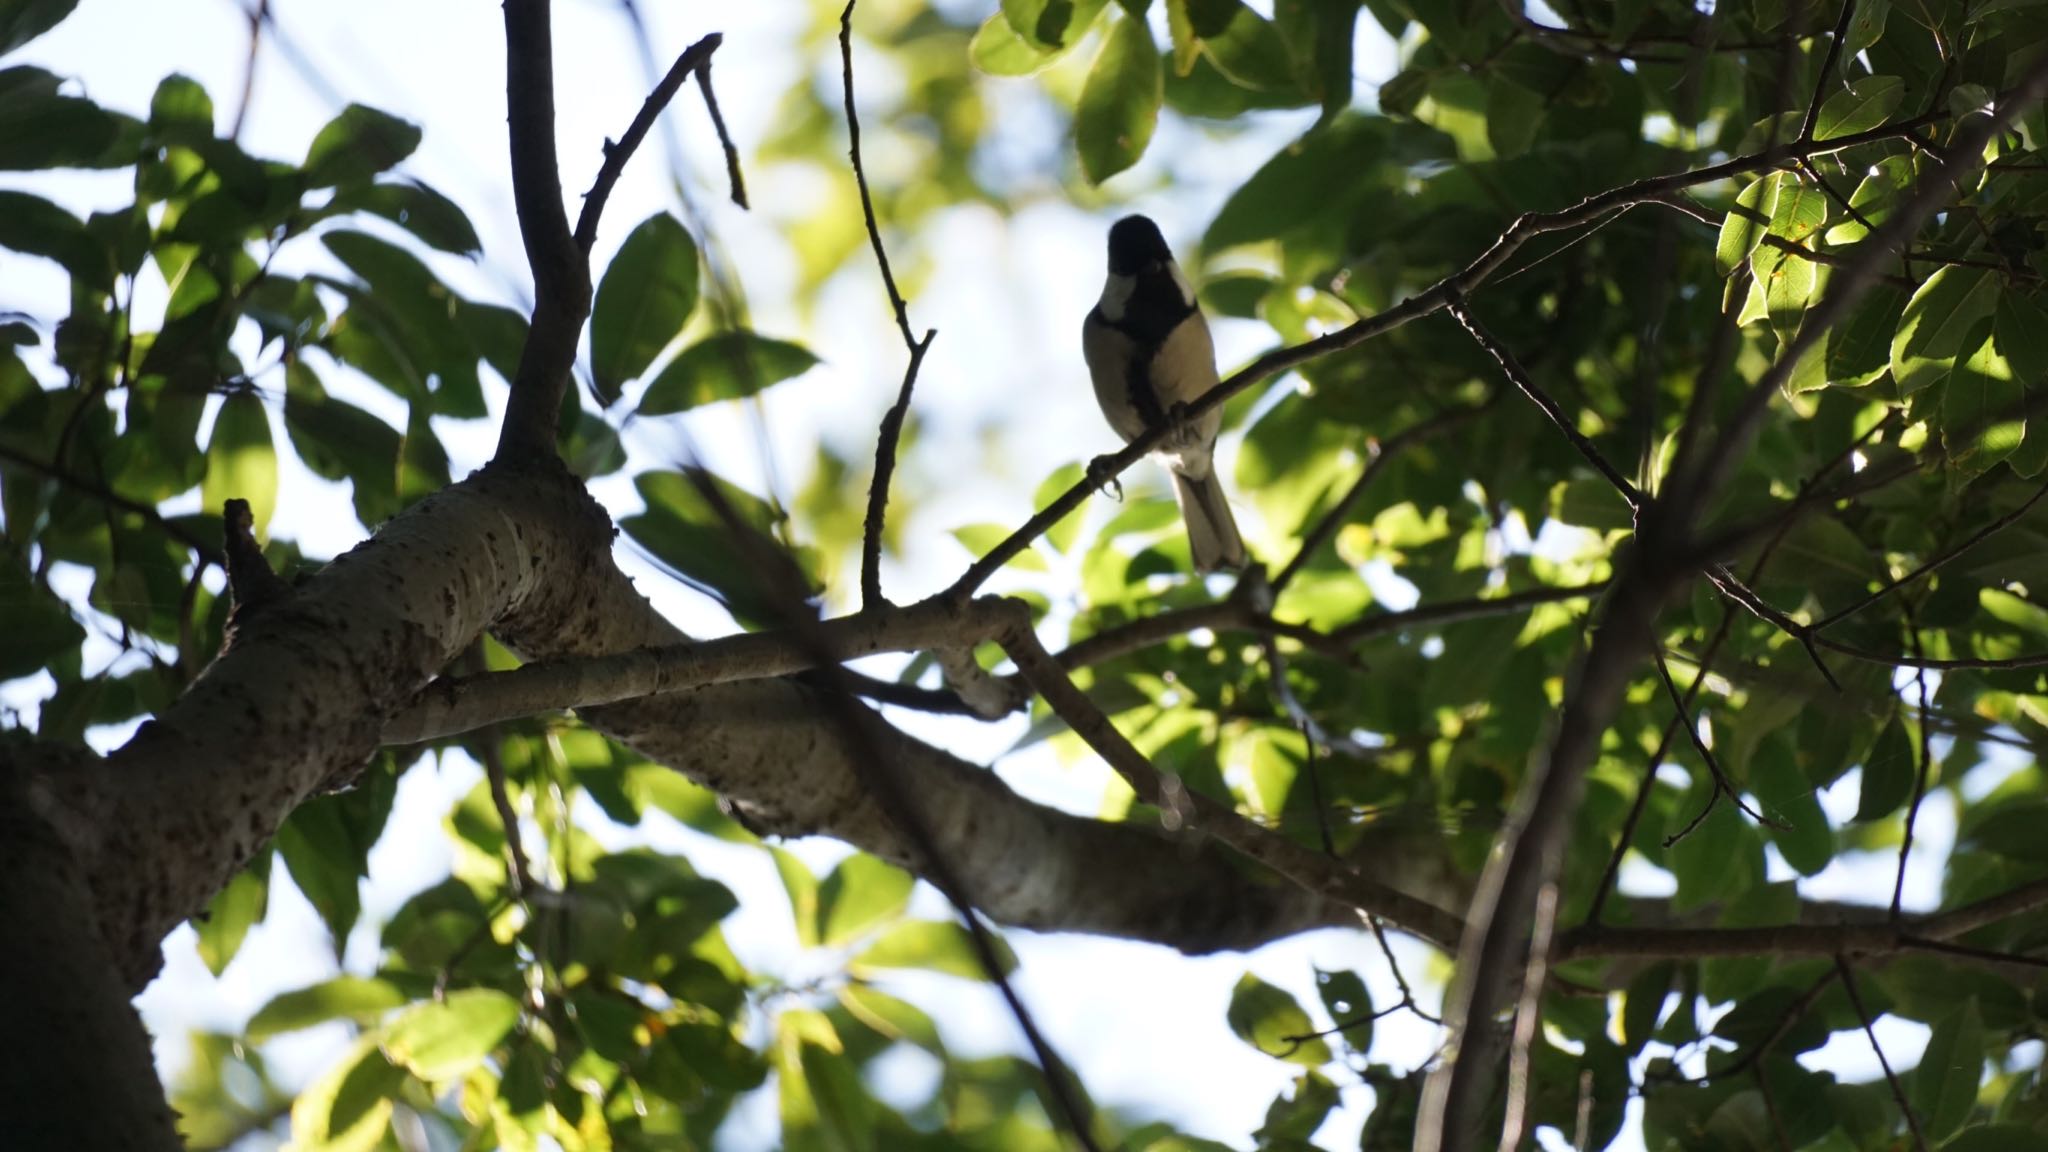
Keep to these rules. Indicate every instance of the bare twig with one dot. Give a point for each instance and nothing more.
(735, 180)
(1827, 68)
(206, 550)
(1527, 1015)
(892, 422)
(1891, 1078)
(694, 59)
(1722, 784)
(1453, 611)
(1923, 768)
(1948, 554)
(259, 15)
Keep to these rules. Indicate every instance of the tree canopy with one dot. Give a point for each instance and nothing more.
(1641, 471)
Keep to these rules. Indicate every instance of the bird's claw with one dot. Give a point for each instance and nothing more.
(1102, 476)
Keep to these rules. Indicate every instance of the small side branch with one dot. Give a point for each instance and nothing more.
(1890, 1077)
(1181, 808)
(892, 423)
(695, 59)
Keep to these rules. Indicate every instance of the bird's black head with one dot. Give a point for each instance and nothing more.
(1136, 246)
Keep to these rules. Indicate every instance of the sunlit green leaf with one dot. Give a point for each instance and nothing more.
(1120, 103)
(647, 292)
(934, 946)
(726, 366)
(1269, 1019)
(358, 144)
(442, 1039)
(241, 462)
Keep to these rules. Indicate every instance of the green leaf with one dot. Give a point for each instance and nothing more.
(1269, 1019)
(1874, 198)
(442, 1040)
(1998, 1138)
(894, 1018)
(1049, 26)
(997, 50)
(241, 462)
(1859, 350)
(1349, 1004)
(1937, 322)
(1860, 107)
(1943, 1089)
(1061, 535)
(23, 20)
(38, 627)
(803, 893)
(648, 292)
(358, 144)
(1243, 45)
(935, 946)
(348, 1108)
(1119, 102)
(859, 894)
(1887, 773)
(233, 911)
(415, 207)
(1747, 223)
(342, 998)
(1865, 27)
(180, 102)
(981, 539)
(1980, 420)
(39, 128)
(2021, 330)
(725, 366)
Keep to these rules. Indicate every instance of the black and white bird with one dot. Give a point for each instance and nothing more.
(1149, 352)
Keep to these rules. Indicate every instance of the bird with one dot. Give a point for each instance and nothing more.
(1149, 355)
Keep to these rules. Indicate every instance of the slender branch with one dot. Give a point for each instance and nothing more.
(1974, 539)
(1181, 808)
(259, 15)
(1462, 283)
(1453, 611)
(1827, 68)
(734, 178)
(1869, 1029)
(1923, 768)
(1527, 1016)
(694, 59)
(1722, 784)
(1519, 377)
(207, 551)
(1379, 933)
(892, 423)
(501, 799)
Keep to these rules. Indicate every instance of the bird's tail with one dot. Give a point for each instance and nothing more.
(1212, 531)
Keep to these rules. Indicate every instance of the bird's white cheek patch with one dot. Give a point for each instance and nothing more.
(1116, 296)
(1180, 281)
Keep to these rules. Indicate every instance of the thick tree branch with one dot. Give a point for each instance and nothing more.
(1180, 807)
(561, 267)
(453, 705)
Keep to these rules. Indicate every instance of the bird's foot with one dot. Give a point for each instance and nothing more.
(1102, 476)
